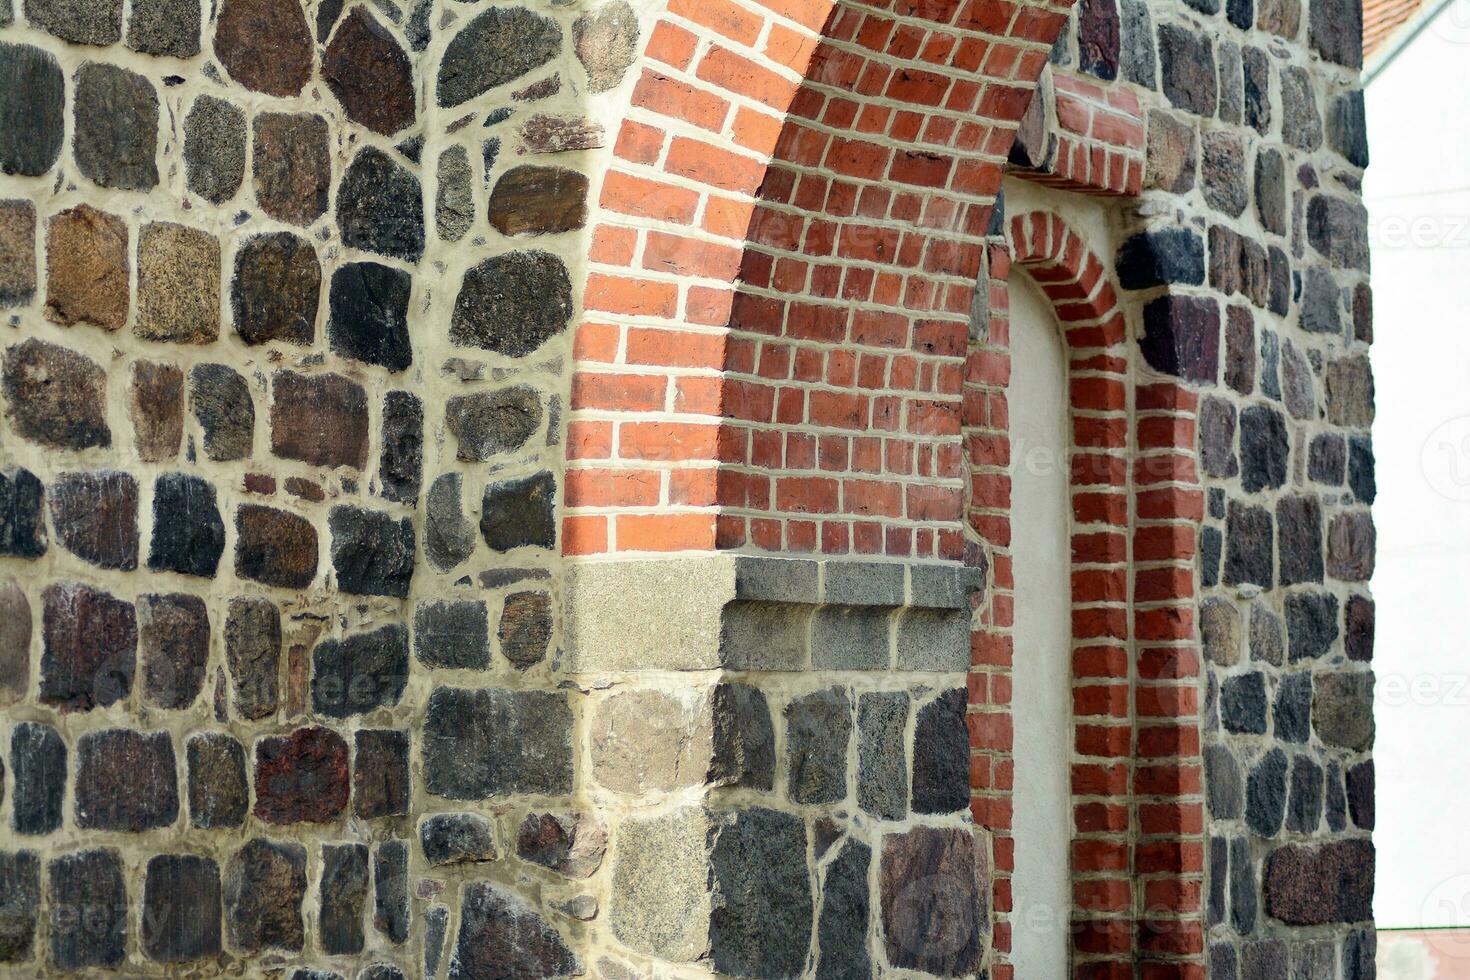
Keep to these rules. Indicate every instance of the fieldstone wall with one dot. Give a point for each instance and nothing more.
(284, 356)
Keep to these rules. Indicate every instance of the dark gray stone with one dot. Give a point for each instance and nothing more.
(1335, 28)
(20, 901)
(78, 21)
(380, 207)
(452, 634)
(344, 891)
(1361, 782)
(1248, 547)
(1217, 438)
(764, 925)
(1217, 904)
(457, 838)
(1264, 448)
(164, 27)
(449, 536)
(1362, 472)
(381, 782)
(1243, 703)
(495, 48)
(436, 930)
(361, 673)
(501, 936)
(513, 303)
(478, 744)
(842, 930)
(188, 532)
(369, 315)
(520, 513)
(1182, 337)
(1321, 302)
(1311, 624)
(32, 100)
(401, 466)
(1347, 128)
(1304, 804)
(1265, 794)
(1224, 783)
(214, 149)
(265, 883)
(1327, 462)
(371, 552)
(181, 908)
(1264, 959)
(126, 781)
(38, 769)
(1160, 257)
(941, 779)
(744, 738)
(1293, 710)
(221, 401)
(488, 423)
(277, 287)
(818, 730)
(219, 796)
(173, 640)
(883, 778)
(88, 902)
(1243, 904)
(851, 583)
(22, 525)
(1338, 229)
(15, 642)
(90, 646)
(390, 890)
(1138, 62)
(116, 127)
(1299, 530)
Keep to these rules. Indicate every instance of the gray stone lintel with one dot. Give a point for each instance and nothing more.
(745, 612)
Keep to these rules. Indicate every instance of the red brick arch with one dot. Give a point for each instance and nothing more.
(783, 264)
(1137, 813)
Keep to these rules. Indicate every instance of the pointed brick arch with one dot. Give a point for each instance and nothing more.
(1136, 505)
(782, 270)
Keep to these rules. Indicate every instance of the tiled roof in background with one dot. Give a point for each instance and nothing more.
(1382, 18)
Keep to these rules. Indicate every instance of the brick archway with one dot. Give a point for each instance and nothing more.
(781, 275)
(1137, 811)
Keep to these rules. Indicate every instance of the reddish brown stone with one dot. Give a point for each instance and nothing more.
(292, 166)
(276, 289)
(275, 547)
(321, 419)
(538, 201)
(96, 517)
(157, 392)
(1313, 886)
(369, 74)
(87, 268)
(17, 252)
(301, 777)
(380, 774)
(544, 133)
(525, 628)
(90, 643)
(178, 284)
(265, 45)
(935, 888)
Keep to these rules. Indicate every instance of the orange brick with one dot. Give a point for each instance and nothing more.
(631, 297)
(665, 532)
(680, 100)
(672, 45)
(644, 198)
(584, 535)
(709, 164)
(667, 440)
(738, 74)
(639, 143)
(735, 23)
(675, 348)
(618, 392)
(612, 488)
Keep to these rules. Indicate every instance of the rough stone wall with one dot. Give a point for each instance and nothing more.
(285, 293)
(297, 299)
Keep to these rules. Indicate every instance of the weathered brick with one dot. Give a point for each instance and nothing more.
(38, 765)
(91, 881)
(181, 908)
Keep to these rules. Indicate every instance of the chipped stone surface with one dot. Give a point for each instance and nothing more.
(370, 74)
(87, 268)
(265, 45)
(116, 127)
(178, 284)
(292, 165)
(32, 98)
(276, 289)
